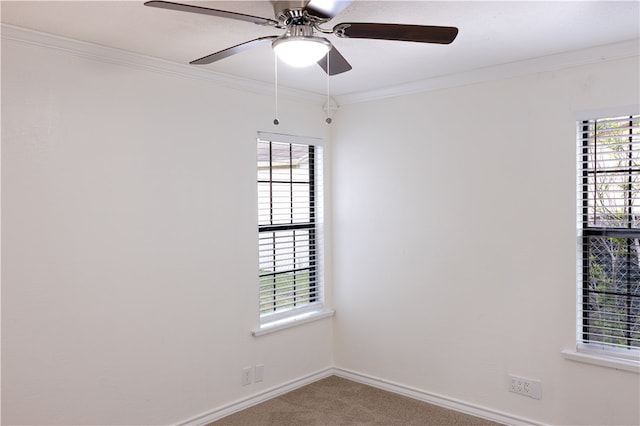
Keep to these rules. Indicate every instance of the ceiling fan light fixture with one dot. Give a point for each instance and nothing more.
(301, 51)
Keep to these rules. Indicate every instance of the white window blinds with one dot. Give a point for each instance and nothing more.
(289, 219)
(609, 231)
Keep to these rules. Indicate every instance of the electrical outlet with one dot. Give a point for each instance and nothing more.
(246, 376)
(528, 387)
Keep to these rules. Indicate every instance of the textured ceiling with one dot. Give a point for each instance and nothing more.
(491, 33)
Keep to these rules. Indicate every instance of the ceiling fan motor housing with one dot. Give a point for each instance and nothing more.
(285, 10)
(300, 26)
(299, 30)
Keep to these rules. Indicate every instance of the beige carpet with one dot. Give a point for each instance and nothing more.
(337, 401)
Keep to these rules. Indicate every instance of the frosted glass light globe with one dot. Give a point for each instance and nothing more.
(301, 51)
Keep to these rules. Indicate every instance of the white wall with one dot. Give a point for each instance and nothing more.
(129, 231)
(454, 227)
(128, 237)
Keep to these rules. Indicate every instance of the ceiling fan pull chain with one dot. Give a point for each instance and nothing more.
(328, 119)
(275, 58)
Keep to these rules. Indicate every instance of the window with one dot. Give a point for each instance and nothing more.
(289, 226)
(609, 235)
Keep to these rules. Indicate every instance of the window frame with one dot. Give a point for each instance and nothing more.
(585, 344)
(314, 225)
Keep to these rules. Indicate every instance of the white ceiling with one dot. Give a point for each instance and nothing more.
(491, 34)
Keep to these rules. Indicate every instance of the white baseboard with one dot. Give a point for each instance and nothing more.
(218, 413)
(420, 395)
(439, 400)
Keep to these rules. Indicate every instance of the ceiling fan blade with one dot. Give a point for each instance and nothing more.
(399, 32)
(207, 11)
(327, 8)
(337, 63)
(233, 50)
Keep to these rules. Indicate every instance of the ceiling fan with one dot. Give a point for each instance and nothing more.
(302, 20)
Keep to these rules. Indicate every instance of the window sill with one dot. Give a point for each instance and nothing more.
(602, 360)
(272, 327)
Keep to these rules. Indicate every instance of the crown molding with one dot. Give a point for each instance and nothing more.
(122, 57)
(626, 49)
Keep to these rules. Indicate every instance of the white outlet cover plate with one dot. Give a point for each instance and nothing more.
(523, 386)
